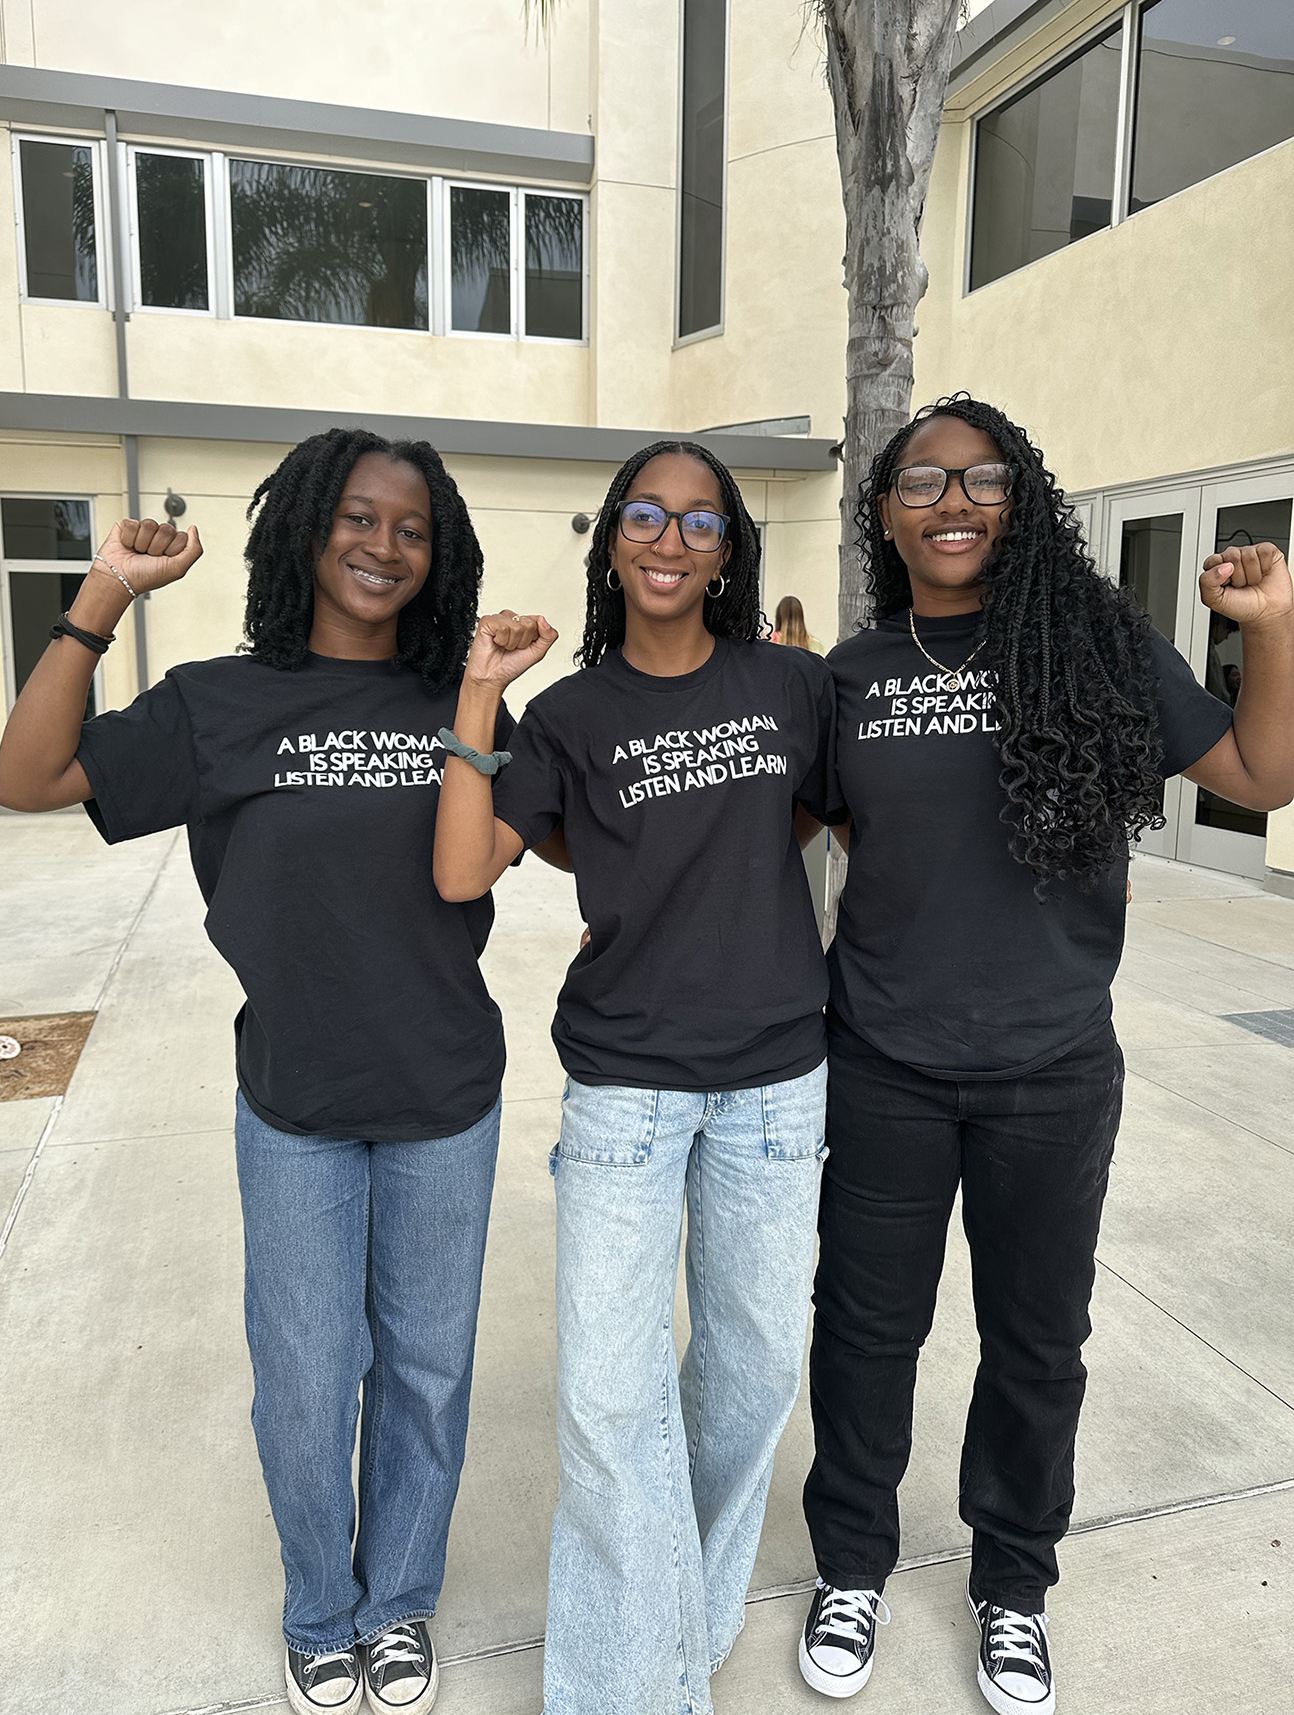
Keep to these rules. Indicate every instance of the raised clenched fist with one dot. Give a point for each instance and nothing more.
(147, 554)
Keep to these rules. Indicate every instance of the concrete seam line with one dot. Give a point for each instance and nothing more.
(20, 1195)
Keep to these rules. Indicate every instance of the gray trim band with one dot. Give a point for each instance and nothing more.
(226, 119)
(994, 32)
(174, 419)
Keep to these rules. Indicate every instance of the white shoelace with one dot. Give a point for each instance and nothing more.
(315, 1662)
(399, 1644)
(1017, 1637)
(851, 1613)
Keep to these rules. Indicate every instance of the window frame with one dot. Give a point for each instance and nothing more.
(720, 327)
(525, 192)
(24, 563)
(517, 195)
(137, 305)
(102, 250)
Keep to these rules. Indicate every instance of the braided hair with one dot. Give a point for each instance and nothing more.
(734, 613)
(1078, 736)
(294, 510)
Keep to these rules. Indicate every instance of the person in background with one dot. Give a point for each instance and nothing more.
(789, 626)
(369, 1053)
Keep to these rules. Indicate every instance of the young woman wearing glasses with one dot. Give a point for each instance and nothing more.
(691, 1028)
(1005, 730)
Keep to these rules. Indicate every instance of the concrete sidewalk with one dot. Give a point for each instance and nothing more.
(139, 1567)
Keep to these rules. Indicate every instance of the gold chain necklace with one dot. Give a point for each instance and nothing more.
(950, 678)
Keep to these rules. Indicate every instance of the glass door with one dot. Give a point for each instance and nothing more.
(1212, 831)
(44, 551)
(1150, 549)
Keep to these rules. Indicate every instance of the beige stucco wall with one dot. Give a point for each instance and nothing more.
(394, 57)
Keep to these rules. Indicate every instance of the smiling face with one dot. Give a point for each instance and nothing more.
(945, 546)
(665, 580)
(378, 552)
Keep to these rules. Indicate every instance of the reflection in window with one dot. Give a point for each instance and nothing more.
(171, 207)
(1150, 562)
(480, 253)
(45, 529)
(1238, 526)
(313, 244)
(1044, 164)
(554, 267)
(58, 220)
(35, 601)
(701, 169)
(1215, 84)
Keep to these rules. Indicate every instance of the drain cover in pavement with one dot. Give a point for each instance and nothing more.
(38, 1055)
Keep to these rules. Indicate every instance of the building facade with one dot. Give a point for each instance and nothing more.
(540, 251)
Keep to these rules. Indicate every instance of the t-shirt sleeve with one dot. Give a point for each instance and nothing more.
(1191, 719)
(141, 765)
(530, 793)
(504, 727)
(819, 791)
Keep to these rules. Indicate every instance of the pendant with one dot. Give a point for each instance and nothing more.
(952, 682)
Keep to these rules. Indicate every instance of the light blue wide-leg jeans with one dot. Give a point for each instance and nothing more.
(363, 1270)
(664, 1474)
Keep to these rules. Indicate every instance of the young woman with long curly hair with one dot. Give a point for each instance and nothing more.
(691, 1029)
(369, 1053)
(1006, 724)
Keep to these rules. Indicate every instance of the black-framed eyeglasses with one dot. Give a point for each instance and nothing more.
(645, 521)
(982, 484)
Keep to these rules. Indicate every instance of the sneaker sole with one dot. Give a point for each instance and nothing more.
(998, 1699)
(831, 1684)
(304, 1705)
(420, 1704)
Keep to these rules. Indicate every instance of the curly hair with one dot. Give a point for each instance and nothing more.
(294, 510)
(1078, 735)
(734, 613)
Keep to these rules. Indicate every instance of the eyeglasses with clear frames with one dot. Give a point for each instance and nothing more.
(644, 521)
(924, 484)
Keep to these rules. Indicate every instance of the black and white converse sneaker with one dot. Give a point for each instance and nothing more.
(839, 1637)
(1014, 1667)
(401, 1671)
(330, 1682)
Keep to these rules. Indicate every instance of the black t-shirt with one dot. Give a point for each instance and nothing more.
(944, 956)
(705, 969)
(310, 799)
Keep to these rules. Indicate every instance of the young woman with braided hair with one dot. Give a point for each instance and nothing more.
(677, 760)
(369, 1053)
(1005, 729)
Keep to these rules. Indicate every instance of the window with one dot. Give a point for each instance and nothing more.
(1044, 163)
(515, 263)
(318, 244)
(58, 203)
(702, 166)
(171, 231)
(554, 267)
(480, 260)
(45, 546)
(1215, 84)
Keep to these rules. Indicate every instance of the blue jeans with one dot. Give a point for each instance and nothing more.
(665, 1472)
(363, 1269)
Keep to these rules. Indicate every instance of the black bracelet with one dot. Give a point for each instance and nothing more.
(63, 627)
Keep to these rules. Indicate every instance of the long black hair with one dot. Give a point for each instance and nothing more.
(294, 510)
(1078, 735)
(734, 613)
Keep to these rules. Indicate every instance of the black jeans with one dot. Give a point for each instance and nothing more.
(1032, 1155)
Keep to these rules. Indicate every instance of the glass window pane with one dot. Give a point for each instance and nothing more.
(170, 196)
(35, 601)
(480, 254)
(554, 267)
(1044, 164)
(58, 220)
(1238, 526)
(316, 245)
(701, 170)
(1215, 84)
(45, 529)
(1150, 565)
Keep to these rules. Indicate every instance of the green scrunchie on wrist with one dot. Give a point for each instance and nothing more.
(483, 764)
